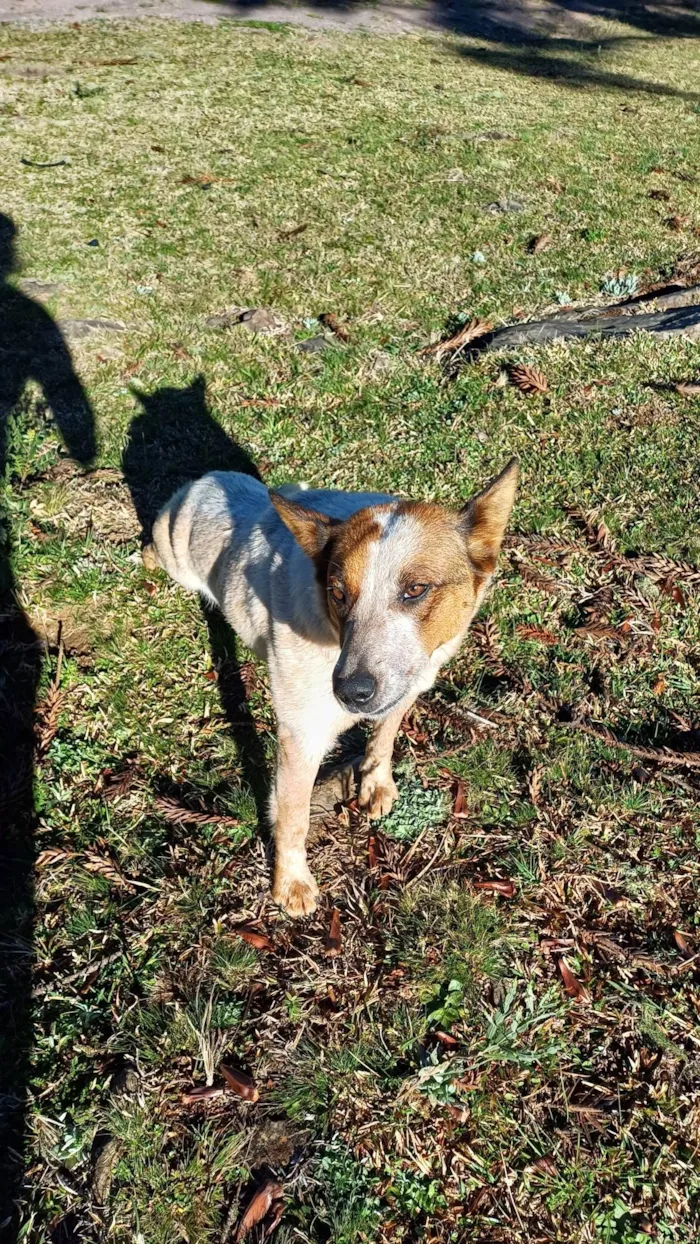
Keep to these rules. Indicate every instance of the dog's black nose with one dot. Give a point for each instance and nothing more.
(356, 692)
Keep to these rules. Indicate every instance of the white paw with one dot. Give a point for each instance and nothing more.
(296, 893)
(377, 794)
(149, 557)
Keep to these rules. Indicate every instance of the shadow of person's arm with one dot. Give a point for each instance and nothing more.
(52, 368)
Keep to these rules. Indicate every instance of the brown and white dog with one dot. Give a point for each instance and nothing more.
(354, 599)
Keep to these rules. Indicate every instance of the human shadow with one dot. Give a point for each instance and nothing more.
(173, 440)
(31, 349)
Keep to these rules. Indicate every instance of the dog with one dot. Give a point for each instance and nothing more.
(355, 600)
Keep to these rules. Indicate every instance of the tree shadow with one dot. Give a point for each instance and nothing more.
(31, 348)
(175, 439)
(527, 38)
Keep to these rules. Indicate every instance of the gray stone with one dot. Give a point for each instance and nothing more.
(75, 329)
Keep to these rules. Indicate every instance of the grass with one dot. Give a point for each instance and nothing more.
(190, 154)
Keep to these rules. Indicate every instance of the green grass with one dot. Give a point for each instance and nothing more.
(550, 1117)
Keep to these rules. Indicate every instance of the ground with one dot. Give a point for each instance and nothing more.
(495, 1037)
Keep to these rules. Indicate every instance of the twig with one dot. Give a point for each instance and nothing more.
(662, 756)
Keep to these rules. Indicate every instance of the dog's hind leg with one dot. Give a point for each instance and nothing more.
(377, 786)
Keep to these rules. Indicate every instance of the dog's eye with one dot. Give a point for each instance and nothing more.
(415, 591)
(337, 593)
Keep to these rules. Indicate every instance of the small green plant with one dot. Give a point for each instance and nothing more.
(349, 1205)
(620, 284)
(417, 808)
(520, 1030)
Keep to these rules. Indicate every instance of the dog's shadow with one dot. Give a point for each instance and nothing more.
(175, 438)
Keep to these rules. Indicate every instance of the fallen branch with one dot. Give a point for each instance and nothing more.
(608, 322)
(660, 755)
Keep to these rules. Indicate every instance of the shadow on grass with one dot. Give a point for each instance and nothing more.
(31, 348)
(527, 38)
(176, 439)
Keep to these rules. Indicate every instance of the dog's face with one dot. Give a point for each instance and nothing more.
(402, 582)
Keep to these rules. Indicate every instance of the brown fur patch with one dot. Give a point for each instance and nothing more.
(443, 561)
(349, 550)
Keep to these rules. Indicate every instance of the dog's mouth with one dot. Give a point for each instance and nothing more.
(374, 713)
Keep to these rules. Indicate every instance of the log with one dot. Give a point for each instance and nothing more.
(681, 320)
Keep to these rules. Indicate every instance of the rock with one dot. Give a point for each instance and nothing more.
(314, 345)
(40, 289)
(263, 320)
(503, 206)
(225, 319)
(75, 329)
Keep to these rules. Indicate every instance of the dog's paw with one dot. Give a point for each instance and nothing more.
(376, 796)
(149, 557)
(298, 896)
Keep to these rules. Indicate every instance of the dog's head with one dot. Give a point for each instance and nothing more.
(402, 582)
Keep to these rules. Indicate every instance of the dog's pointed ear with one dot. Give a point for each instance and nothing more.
(310, 528)
(485, 518)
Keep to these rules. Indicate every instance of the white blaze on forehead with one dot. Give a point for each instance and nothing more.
(387, 559)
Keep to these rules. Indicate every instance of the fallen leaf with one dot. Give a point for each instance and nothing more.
(239, 1083)
(211, 675)
(506, 888)
(372, 851)
(103, 1170)
(53, 855)
(600, 630)
(275, 1220)
(180, 814)
(201, 1093)
(680, 941)
(254, 938)
(527, 379)
(103, 867)
(151, 589)
(536, 634)
(331, 321)
(546, 1165)
(333, 942)
(554, 185)
(661, 196)
(573, 987)
(540, 243)
(677, 223)
(688, 388)
(460, 802)
(659, 686)
(203, 180)
(359, 82)
(258, 1206)
(670, 588)
(446, 1038)
(475, 328)
(284, 235)
(534, 782)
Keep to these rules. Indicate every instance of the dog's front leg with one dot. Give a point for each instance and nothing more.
(377, 786)
(294, 887)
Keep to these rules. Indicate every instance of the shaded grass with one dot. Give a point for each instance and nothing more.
(550, 1118)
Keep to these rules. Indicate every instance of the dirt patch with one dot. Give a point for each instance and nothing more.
(485, 18)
